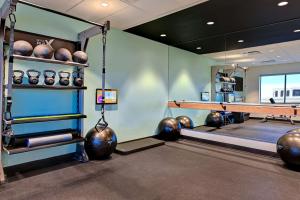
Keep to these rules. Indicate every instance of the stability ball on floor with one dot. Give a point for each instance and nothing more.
(169, 129)
(288, 148)
(214, 119)
(100, 142)
(296, 130)
(185, 122)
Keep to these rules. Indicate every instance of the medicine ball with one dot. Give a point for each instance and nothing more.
(100, 142)
(169, 129)
(288, 148)
(23, 48)
(185, 122)
(63, 54)
(80, 57)
(43, 51)
(214, 119)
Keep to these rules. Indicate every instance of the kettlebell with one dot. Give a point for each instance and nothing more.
(18, 76)
(49, 77)
(77, 78)
(33, 76)
(64, 78)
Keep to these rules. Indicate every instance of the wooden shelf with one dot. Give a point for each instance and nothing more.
(48, 87)
(16, 150)
(23, 120)
(31, 58)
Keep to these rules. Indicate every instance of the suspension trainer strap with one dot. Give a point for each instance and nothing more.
(102, 122)
(8, 132)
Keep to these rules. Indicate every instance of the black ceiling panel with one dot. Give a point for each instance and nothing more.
(255, 21)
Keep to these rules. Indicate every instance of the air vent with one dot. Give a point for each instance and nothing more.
(252, 53)
(269, 61)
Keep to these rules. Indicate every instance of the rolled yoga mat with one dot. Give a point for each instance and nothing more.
(33, 142)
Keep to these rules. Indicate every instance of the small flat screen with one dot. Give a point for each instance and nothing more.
(111, 96)
(204, 96)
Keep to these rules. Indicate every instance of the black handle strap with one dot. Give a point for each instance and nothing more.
(102, 123)
(8, 132)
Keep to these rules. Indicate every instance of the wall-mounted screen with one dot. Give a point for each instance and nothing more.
(204, 96)
(111, 96)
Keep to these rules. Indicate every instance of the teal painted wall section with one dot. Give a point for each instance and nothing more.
(189, 76)
(136, 66)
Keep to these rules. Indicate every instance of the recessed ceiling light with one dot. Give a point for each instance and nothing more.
(240, 41)
(163, 35)
(199, 48)
(297, 31)
(283, 3)
(104, 4)
(278, 56)
(210, 23)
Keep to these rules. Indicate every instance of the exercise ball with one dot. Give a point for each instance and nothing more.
(23, 48)
(100, 143)
(169, 129)
(185, 122)
(214, 119)
(288, 148)
(80, 57)
(43, 51)
(63, 54)
(296, 130)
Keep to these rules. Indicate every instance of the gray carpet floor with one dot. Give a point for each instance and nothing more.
(254, 129)
(181, 170)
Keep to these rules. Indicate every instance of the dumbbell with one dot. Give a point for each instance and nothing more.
(64, 78)
(33, 76)
(49, 77)
(18, 76)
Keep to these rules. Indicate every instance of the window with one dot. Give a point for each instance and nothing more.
(272, 86)
(283, 88)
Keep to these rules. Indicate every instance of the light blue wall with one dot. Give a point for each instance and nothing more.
(136, 66)
(189, 76)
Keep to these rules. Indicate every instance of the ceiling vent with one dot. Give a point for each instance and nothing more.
(268, 61)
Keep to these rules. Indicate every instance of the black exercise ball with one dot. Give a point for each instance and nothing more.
(23, 48)
(185, 122)
(80, 57)
(214, 119)
(296, 130)
(288, 148)
(169, 129)
(43, 51)
(100, 143)
(63, 54)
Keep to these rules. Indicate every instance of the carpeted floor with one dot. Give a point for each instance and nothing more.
(182, 170)
(254, 129)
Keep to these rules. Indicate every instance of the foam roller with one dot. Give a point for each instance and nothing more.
(33, 142)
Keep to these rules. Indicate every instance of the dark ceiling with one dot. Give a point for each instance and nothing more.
(257, 22)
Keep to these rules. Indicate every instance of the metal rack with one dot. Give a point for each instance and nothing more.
(9, 7)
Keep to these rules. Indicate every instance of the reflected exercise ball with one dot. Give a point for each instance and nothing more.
(43, 51)
(63, 54)
(23, 48)
(214, 119)
(288, 148)
(169, 129)
(185, 122)
(100, 143)
(80, 57)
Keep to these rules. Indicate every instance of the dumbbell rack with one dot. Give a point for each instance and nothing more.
(81, 44)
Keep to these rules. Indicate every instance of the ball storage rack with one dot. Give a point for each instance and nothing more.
(6, 86)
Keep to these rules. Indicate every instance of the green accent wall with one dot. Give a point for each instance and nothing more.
(139, 68)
